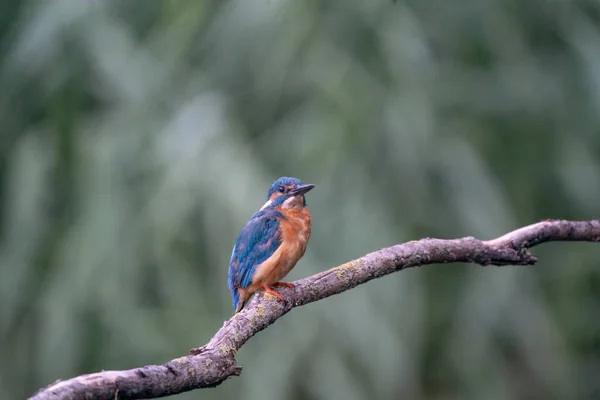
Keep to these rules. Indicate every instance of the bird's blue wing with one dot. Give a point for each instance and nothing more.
(257, 241)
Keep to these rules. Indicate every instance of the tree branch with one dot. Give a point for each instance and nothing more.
(214, 362)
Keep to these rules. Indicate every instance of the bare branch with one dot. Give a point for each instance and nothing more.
(214, 362)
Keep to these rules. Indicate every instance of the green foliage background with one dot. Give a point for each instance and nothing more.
(138, 136)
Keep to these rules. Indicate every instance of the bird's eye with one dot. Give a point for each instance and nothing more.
(282, 189)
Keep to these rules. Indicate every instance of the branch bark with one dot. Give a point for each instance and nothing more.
(211, 364)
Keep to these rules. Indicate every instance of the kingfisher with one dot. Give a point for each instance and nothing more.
(271, 242)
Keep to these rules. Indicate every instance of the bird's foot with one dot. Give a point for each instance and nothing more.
(274, 293)
(284, 284)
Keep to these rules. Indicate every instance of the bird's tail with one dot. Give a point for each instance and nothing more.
(238, 304)
(235, 294)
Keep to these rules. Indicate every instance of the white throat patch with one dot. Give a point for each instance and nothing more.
(293, 202)
(267, 204)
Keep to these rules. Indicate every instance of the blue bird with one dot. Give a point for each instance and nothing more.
(271, 242)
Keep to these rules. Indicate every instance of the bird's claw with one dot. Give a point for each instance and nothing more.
(274, 293)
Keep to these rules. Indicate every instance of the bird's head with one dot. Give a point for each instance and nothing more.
(288, 193)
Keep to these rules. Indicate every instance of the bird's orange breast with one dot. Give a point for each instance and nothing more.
(295, 232)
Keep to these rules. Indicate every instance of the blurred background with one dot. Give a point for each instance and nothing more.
(139, 136)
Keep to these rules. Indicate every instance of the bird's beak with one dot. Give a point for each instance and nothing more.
(300, 190)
